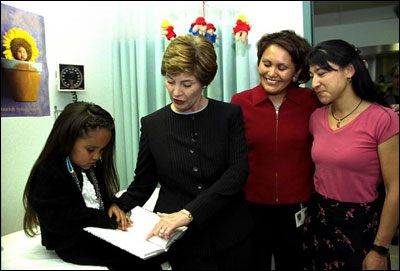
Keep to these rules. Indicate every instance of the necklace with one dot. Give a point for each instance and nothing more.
(340, 119)
(92, 176)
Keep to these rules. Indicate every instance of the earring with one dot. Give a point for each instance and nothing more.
(294, 79)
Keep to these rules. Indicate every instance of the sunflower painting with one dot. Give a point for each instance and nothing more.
(24, 73)
(19, 45)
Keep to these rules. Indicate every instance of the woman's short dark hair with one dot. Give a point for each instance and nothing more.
(296, 46)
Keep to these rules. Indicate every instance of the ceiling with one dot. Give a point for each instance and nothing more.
(323, 7)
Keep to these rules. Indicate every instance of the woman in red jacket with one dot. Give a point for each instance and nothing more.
(276, 114)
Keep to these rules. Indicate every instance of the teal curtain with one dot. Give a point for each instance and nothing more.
(138, 91)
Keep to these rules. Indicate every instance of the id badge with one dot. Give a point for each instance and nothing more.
(300, 216)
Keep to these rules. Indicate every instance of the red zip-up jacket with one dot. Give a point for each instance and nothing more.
(279, 143)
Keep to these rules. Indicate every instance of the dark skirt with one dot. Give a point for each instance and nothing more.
(338, 235)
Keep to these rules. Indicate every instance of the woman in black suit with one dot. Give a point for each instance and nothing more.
(196, 149)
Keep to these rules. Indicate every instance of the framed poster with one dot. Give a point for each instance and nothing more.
(24, 73)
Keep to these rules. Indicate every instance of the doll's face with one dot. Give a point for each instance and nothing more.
(22, 54)
(203, 28)
(210, 31)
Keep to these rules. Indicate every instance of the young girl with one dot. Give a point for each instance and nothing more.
(355, 148)
(71, 185)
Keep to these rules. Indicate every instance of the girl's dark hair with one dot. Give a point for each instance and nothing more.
(341, 53)
(75, 121)
(296, 46)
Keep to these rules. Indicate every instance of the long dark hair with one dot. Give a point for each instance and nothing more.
(75, 121)
(342, 54)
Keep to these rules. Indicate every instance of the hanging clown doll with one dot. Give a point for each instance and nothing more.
(198, 27)
(241, 29)
(167, 30)
(210, 30)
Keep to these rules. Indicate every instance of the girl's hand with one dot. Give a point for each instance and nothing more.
(128, 223)
(122, 219)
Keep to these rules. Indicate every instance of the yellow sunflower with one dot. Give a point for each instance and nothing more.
(19, 45)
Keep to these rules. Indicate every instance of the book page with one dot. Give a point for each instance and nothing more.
(166, 243)
(144, 218)
(134, 239)
(130, 240)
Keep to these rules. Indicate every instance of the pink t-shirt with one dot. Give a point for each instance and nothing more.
(346, 160)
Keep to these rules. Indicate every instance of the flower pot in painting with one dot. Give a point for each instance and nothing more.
(23, 79)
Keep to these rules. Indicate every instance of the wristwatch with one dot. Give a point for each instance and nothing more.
(186, 212)
(381, 250)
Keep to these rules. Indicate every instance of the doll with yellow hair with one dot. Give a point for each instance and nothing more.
(167, 30)
(241, 29)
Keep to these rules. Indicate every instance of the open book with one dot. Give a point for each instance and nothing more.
(134, 239)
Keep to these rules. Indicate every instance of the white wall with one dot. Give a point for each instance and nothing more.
(81, 33)
(77, 33)
(364, 27)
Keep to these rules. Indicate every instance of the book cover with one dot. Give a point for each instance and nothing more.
(134, 239)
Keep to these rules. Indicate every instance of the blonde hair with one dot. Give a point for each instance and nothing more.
(194, 55)
(165, 24)
(242, 18)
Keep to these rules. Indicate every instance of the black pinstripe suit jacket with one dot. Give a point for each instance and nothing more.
(201, 162)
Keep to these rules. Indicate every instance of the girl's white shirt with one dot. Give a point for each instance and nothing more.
(89, 194)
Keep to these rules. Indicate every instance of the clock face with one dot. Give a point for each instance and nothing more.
(71, 77)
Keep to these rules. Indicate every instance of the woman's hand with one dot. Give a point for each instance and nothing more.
(122, 219)
(375, 261)
(168, 224)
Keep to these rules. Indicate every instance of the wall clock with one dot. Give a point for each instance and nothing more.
(71, 77)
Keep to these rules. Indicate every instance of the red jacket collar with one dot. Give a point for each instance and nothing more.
(259, 95)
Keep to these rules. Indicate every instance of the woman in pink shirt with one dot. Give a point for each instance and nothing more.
(355, 148)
